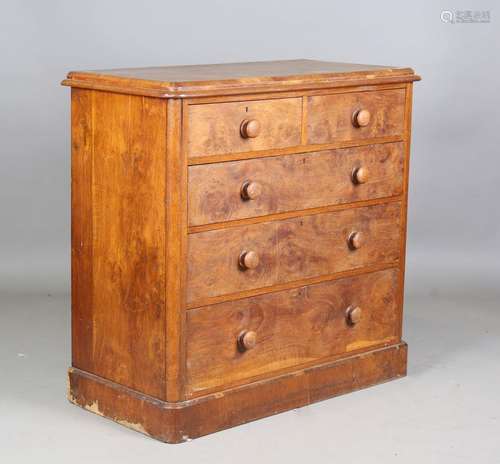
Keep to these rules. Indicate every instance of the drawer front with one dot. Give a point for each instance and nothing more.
(240, 339)
(220, 128)
(242, 189)
(260, 255)
(355, 116)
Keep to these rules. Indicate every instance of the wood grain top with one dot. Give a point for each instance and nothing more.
(232, 78)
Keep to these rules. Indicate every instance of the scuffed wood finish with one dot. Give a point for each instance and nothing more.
(237, 78)
(293, 327)
(182, 421)
(219, 128)
(330, 117)
(294, 182)
(290, 249)
(118, 245)
(238, 239)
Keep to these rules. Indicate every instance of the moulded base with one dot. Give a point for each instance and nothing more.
(182, 421)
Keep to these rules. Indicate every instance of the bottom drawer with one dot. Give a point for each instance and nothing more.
(236, 340)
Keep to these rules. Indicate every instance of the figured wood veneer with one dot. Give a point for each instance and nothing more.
(238, 239)
(118, 239)
(292, 327)
(291, 249)
(293, 182)
(216, 128)
(355, 115)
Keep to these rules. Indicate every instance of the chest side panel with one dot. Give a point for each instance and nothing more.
(118, 238)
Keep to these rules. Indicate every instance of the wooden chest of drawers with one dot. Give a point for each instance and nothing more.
(238, 239)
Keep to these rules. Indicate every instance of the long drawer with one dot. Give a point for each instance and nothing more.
(260, 255)
(242, 189)
(232, 341)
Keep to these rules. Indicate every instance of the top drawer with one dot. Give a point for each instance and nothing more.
(355, 116)
(221, 128)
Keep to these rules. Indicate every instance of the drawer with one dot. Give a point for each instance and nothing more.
(232, 341)
(355, 116)
(219, 128)
(261, 255)
(242, 189)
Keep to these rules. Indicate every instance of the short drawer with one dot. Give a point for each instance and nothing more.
(242, 189)
(236, 340)
(260, 255)
(355, 116)
(220, 128)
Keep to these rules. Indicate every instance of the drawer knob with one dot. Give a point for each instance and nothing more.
(355, 240)
(360, 175)
(248, 260)
(353, 315)
(250, 190)
(250, 128)
(361, 118)
(247, 340)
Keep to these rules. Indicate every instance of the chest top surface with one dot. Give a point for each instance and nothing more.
(220, 79)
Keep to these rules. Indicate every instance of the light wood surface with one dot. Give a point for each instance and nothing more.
(294, 182)
(175, 230)
(236, 78)
(238, 239)
(118, 244)
(330, 117)
(216, 128)
(292, 327)
(291, 249)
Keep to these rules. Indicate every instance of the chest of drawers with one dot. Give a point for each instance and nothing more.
(238, 239)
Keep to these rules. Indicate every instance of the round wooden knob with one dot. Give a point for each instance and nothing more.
(247, 340)
(353, 314)
(360, 175)
(250, 190)
(249, 260)
(355, 240)
(361, 118)
(250, 128)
